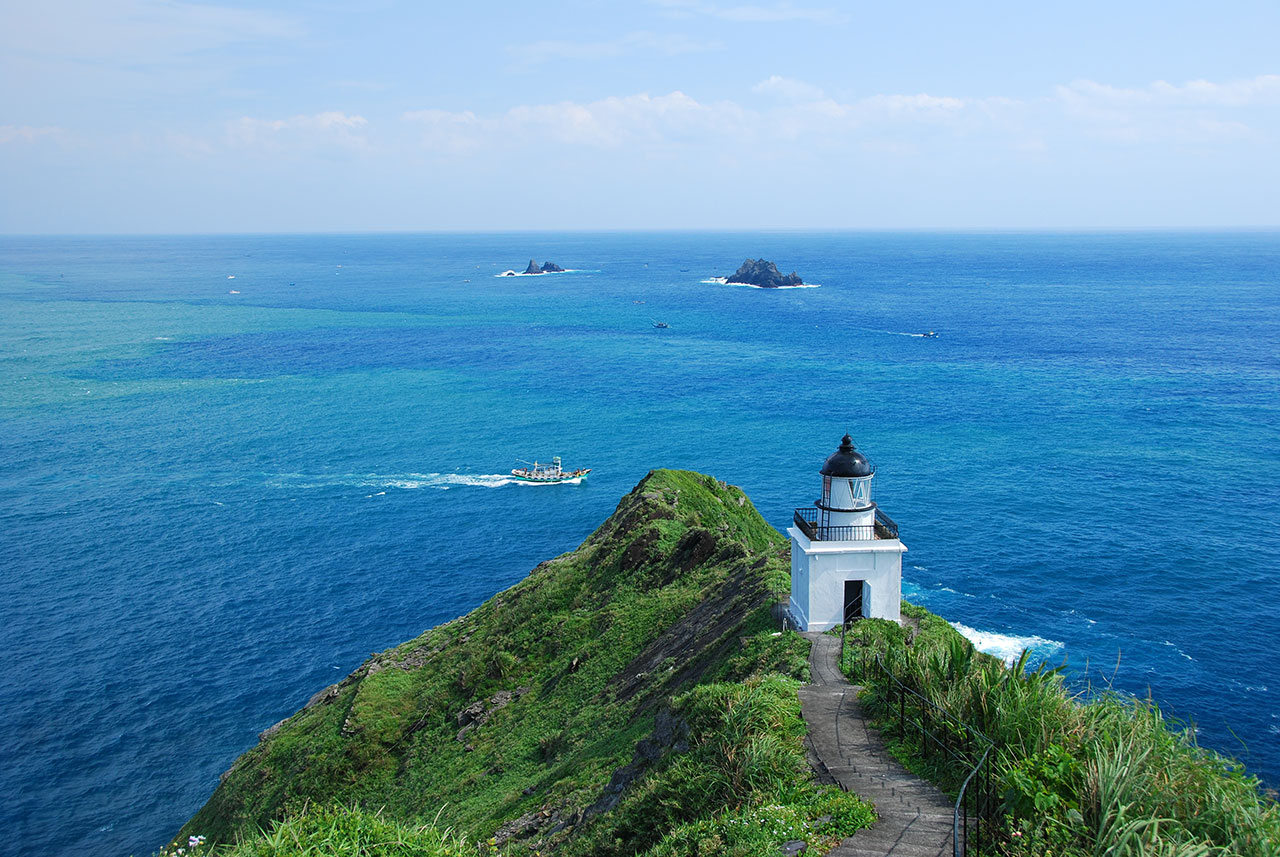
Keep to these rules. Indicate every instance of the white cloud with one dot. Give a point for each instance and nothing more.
(30, 133)
(754, 13)
(1263, 89)
(133, 32)
(801, 112)
(332, 127)
(913, 105)
(789, 89)
(642, 42)
(1196, 111)
(611, 122)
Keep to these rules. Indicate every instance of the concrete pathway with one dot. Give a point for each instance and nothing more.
(915, 818)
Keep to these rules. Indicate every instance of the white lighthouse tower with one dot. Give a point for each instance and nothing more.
(846, 558)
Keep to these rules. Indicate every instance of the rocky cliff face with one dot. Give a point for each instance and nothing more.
(763, 273)
(535, 712)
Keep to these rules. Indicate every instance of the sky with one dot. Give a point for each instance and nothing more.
(147, 116)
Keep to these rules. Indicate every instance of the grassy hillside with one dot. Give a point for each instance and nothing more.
(628, 697)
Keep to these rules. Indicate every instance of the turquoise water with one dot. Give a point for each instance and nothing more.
(212, 504)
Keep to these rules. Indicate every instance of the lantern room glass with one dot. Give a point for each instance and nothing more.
(851, 493)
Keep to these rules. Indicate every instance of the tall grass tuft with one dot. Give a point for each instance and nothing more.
(1080, 773)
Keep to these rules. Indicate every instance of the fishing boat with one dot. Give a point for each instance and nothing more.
(548, 473)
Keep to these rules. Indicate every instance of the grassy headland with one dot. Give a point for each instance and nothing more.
(630, 697)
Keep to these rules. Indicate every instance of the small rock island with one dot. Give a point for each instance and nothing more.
(764, 274)
(547, 268)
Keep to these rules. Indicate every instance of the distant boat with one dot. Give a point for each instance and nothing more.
(657, 323)
(548, 473)
(929, 335)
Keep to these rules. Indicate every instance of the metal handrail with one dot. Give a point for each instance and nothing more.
(956, 839)
(960, 844)
(885, 522)
(806, 518)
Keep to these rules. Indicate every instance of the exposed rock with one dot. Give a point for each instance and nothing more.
(546, 268)
(471, 713)
(329, 694)
(693, 549)
(268, 732)
(763, 273)
(526, 825)
(477, 713)
(670, 734)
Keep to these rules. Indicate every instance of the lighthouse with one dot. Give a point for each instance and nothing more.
(846, 557)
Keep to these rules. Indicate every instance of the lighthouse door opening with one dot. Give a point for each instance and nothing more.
(853, 600)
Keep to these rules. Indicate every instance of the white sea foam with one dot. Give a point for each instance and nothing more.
(411, 481)
(1174, 646)
(511, 273)
(1007, 647)
(401, 481)
(724, 281)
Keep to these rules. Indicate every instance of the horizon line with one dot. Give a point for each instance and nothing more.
(659, 230)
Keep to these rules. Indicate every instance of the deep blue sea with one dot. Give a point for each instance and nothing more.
(219, 495)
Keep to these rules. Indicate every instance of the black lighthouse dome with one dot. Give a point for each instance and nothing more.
(847, 461)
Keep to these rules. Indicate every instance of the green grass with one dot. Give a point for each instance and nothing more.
(743, 786)
(337, 832)
(669, 599)
(1080, 773)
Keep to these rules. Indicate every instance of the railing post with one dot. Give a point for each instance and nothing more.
(902, 713)
(924, 727)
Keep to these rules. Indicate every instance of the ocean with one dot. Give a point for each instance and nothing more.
(231, 467)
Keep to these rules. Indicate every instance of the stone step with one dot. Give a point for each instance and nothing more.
(902, 851)
(915, 818)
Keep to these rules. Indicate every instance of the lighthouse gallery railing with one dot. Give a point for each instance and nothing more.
(807, 519)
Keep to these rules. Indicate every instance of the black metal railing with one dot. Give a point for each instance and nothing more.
(808, 519)
(885, 527)
(956, 744)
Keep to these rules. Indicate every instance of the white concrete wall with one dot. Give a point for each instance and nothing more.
(865, 518)
(799, 588)
(819, 571)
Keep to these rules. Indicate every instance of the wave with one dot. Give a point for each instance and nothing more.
(513, 273)
(402, 481)
(1007, 647)
(724, 281)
